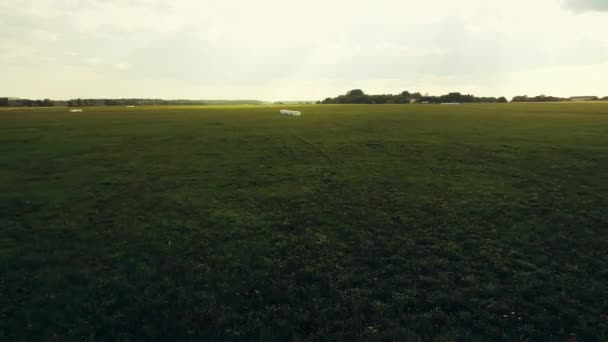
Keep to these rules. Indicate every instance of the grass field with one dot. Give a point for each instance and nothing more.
(410, 223)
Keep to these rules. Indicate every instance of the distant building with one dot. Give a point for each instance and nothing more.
(8, 101)
(584, 98)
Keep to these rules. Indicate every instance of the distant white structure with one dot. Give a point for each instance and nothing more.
(76, 110)
(290, 112)
(130, 106)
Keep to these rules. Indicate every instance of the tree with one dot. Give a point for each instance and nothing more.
(523, 98)
(417, 96)
(502, 99)
(355, 92)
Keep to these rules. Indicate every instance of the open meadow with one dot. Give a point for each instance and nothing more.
(473, 222)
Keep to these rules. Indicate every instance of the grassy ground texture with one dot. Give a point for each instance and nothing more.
(351, 222)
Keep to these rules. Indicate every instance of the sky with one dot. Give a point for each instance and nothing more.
(301, 50)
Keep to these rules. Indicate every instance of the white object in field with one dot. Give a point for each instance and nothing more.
(130, 106)
(76, 110)
(290, 112)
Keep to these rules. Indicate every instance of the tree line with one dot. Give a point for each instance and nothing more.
(546, 98)
(156, 102)
(357, 96)
(131, 102)
(12, 102)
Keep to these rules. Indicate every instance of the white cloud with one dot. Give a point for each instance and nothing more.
(272, 49)
(121, 66)
(94, 60)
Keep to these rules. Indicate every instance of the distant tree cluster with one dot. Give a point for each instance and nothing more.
(539, 98)
(156, 102)
(130, 102)
(15, 102)
(357, 96)
(545, 98)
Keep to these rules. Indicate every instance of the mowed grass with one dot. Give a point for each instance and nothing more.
(352, 222)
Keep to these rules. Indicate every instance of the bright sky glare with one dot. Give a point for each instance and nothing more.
(301, 50)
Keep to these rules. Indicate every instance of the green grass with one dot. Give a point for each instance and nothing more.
(432, 223)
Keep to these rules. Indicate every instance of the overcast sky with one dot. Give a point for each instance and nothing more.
(287, 49)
